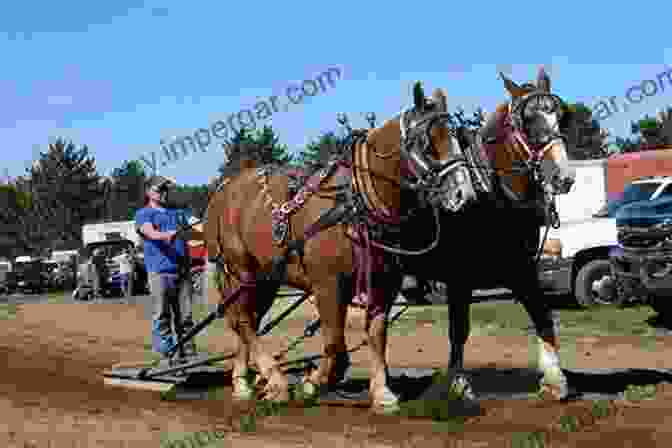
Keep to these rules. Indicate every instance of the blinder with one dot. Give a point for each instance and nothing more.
(417, 144)
(527, 108)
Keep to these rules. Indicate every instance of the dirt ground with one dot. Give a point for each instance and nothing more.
(52, 394)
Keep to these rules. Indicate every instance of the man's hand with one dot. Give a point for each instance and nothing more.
(151, 233)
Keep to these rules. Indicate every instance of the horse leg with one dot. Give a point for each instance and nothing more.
(277, 387)
(553, 384)
(383, 291)
(242, 387)
(459, 329)
(332, 310)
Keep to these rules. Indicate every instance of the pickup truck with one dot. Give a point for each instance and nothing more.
(642, 262)
(577, 256)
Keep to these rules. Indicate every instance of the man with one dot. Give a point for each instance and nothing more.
(163, 253)
(97, 269)
(125, 271)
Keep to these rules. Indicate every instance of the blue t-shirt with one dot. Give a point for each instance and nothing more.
(161, 256)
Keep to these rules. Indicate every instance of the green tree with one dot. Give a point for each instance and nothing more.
(330, 144)
(319, 151)
(14, 208)
(127, 190)
(585, 138)
(262, 145)
(194, 197)
(66, 191)
(654, 131)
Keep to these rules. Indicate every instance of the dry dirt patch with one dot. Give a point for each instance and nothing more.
(50, 390)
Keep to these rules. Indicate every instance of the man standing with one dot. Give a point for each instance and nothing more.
(125, 272)
(98, 272)
(171, 294)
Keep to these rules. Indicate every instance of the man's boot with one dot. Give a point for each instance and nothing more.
(189, 347)
(162, 338)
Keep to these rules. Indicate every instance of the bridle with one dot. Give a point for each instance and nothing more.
(416, 143)
(531, 154)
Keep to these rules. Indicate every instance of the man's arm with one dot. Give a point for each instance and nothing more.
(151, 233)
(145, 226)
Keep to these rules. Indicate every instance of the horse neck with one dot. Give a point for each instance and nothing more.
(505, 155)
(377, 163)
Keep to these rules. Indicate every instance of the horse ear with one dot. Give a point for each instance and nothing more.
(247, 163)
(543, 81)
(418, 96)
(440, 98)
(514, 89)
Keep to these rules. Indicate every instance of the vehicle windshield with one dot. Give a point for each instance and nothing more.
(639, 192)
(632, 193)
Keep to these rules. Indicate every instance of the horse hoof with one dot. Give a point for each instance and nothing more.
(277, 389)
(461, 389)
(310, 390)
(555, 388)
(242, 391)
(553, 392)
(391, 408)
(386, 404)
(275, 393)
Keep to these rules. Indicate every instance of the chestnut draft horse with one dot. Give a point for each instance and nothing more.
(252, 235)
(494, 242)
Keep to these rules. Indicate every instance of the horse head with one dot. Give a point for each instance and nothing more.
(528, 140)
(431, 160)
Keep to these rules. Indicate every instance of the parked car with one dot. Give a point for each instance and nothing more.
(31, 277)
(5, 276)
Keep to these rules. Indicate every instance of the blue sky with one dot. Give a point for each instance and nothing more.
(120, 76)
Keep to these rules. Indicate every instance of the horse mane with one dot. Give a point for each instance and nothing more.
(382, 136)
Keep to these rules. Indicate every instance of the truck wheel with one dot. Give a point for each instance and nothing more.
(662, 306)
(584, 292)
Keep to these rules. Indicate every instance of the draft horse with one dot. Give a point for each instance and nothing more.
(322, 240)
(521, 164)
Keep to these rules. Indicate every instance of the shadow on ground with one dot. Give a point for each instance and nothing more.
(503, 384)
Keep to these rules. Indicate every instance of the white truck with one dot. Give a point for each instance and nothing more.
(93, 233)
(104, 236)
(576, 256)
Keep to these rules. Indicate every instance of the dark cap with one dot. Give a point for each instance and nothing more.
(159, 182)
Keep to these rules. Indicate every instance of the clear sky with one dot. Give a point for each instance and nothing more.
(119, 76)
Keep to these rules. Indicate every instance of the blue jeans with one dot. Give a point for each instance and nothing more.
(171, 304)
(125, 278)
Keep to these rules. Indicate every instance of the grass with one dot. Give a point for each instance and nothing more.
(195, 439)
(640, 393)
(490, 319)
(535, 439)
(569, 423)
(600, 408)
(509, 318)
(8, 311)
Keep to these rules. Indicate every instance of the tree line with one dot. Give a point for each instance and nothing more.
(45, 209)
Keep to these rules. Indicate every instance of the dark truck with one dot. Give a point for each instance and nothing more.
(642, 263)
(30, 277)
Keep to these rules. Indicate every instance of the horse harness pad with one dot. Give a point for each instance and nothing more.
(297, 196)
